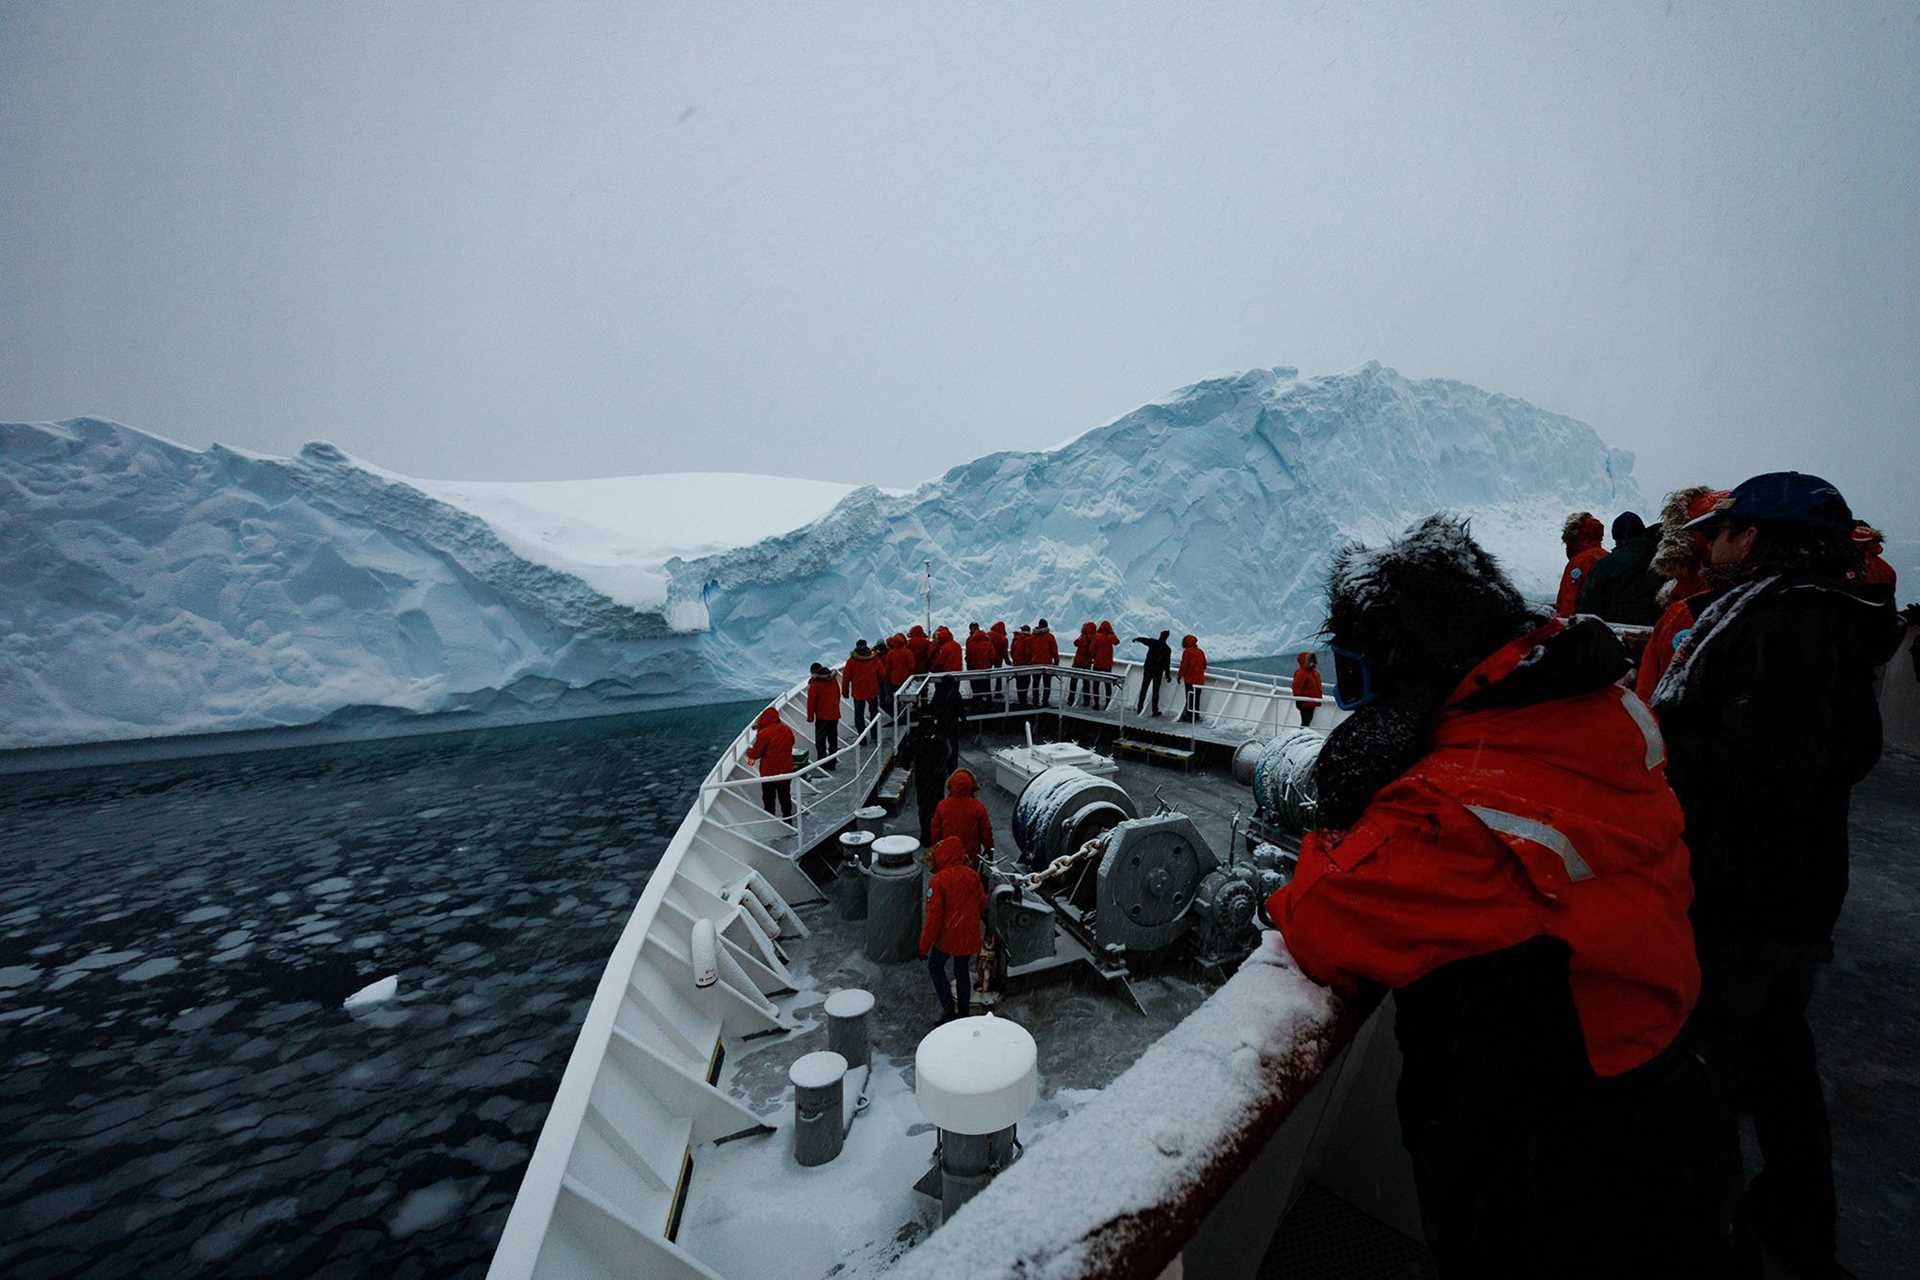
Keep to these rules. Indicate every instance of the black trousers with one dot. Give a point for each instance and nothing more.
(1605, 1181)
(926, 799)
(1193, 703)
(781, 791)
(1754, 993)
(1151, 682)
(1043, 689)
(1306, 713)
(937, 962)
(826, 740)
(863, 708)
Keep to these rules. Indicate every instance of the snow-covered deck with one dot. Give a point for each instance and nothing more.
(752, 1210)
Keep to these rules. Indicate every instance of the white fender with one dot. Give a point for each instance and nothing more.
(758, 911)
(706, 957)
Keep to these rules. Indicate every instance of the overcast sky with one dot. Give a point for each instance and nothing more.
(867, 242)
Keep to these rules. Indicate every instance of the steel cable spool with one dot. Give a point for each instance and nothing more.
(1064, 807)
(1283, 783)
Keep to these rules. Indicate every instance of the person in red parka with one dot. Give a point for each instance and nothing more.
(1193, 674)
(1101, 651)
(956, 903)
(1044, 651)
(979, 655)
(1082, 688)
(1306, 686)
(962, 816)
(921, 647)
(1020, 653)
(773, 749)
(823, 713)
(1582, 537)
(946, 651)
(860, 680)
(1681, 558)
(1877, 576)
(1501, 851)
(899, 660)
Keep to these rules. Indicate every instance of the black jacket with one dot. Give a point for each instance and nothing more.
(1159, 657)
(1770, 719)
(1622, 587)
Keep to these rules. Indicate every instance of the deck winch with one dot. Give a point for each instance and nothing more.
(1119, 884)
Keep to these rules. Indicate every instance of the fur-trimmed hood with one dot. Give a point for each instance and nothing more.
(1426, 607)
(1677, 554)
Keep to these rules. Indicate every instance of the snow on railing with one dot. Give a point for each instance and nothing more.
(1119, 1188)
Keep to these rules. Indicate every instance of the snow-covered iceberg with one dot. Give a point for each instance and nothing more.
(148, 589)
(1215, 510)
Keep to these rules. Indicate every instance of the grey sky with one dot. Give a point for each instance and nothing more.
(868, 242)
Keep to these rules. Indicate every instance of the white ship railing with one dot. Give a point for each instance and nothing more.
(604, 1186)
(1234, 705)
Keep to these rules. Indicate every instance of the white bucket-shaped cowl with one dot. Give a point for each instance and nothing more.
(976, 1075)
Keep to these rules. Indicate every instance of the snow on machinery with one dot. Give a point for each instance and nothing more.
(1122, 887)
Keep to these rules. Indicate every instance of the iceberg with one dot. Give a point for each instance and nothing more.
(150, 589)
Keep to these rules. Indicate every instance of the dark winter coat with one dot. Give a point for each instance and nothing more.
(949, 712)
(1770, 718)
(1159, 660)
(1621, 587)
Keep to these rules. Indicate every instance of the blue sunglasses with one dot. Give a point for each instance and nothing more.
(1352, 679)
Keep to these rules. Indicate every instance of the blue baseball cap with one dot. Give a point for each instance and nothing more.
(1781, 497)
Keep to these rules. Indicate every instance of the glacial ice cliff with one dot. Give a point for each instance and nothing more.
(1214, 511)
(149, 589)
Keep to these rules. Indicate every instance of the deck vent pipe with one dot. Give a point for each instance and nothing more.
(706, 954)
(819, 1099)
(976, 1079)
(847, 1011)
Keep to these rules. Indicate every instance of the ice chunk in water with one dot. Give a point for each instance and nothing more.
(373, 993)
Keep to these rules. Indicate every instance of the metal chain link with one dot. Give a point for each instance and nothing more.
(1061, 865)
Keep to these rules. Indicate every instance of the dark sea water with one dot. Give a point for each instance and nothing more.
(183, 1093)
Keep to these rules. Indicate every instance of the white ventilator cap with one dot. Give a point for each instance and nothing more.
(976, 1075)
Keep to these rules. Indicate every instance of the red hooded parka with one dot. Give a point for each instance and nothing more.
(1102, 645)
(899, 659)
(1083, 647)
(1193, 661)
(1548, 818)
(946, 651)
(1001, 645)
(860, 678)
(980, 650)
(1306, 682)
(962, 817)
(1583, 552)
(823, 698)
(1044, 650)
(921, 648)
(955, 905)
(772, 744)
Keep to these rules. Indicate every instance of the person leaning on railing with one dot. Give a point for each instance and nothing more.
(1501, 852)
